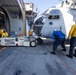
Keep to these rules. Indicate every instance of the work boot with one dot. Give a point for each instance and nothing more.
(70, 56)
(53, 53)
(63, 49)
(75, 53)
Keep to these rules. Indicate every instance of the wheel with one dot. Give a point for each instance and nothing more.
(33, 43)
(39, 41)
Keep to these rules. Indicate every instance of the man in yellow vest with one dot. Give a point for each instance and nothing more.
(72, 36)
(1, 31)
(4, 34)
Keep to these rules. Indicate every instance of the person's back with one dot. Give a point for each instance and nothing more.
(59, 37)
(58, 34)
(72, 32)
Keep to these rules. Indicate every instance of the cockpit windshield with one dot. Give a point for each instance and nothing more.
(54, 14)
(40, 21)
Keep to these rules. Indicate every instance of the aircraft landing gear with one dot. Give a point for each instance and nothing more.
(39, 41)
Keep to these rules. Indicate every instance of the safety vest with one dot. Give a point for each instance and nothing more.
(72, 32)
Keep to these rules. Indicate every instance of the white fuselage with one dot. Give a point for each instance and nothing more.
(55, 18)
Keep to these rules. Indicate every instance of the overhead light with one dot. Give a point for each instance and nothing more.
(0, 18)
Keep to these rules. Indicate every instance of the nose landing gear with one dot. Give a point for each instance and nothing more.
(39, 41)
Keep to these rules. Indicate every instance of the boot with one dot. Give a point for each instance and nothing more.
(75, 53)
(63, 49)
(70, 56)
(53, 53)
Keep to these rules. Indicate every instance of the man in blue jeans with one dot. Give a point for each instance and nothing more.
(59, 37)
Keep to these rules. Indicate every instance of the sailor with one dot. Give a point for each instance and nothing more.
(59, 37)
(1, 31)
(72, 37)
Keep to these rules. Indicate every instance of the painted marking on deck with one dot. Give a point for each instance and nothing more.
(66, 65)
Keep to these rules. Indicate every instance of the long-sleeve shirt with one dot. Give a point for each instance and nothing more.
(72, 32)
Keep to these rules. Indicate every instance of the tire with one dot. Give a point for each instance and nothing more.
(32, 43)
(39, 41)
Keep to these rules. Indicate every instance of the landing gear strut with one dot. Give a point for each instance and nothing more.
(39, 41)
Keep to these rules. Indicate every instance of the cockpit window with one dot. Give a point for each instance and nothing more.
(54, 14)
(40, 20)
(54, 17)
